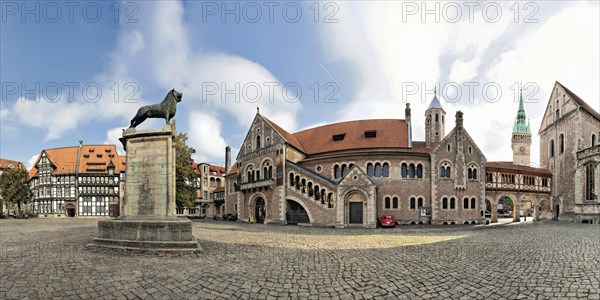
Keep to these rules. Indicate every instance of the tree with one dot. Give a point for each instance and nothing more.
(14, 187)
(184, 172)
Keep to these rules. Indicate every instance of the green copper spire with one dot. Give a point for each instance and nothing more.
(521, 123)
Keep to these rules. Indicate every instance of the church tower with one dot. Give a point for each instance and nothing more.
(521, 136)
(435, 118)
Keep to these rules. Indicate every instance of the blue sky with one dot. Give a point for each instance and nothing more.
(363, 58)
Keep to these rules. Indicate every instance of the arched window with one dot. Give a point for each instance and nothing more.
(449, 148)
(593, 139)
(411, 171)
(473, 203)
(452, 203)
(395, 203)
(472, 172)
(377, 170)
(413, 203)
(322, 196)
(344, 170)
(388, 203)
(445, 170)
(466, 203)
(270, 172)
(303, 185)
(317, 192)
(386, 170)
(551, 148)
(330, 200)
(310, 189)
(420, 203)
(404, 171)
(297, 181)
(336, 172)
(419, 171)
(291, 179)
(444, 203)
(437, 118)
(589, 183)
(258, 142)
(370, 170)
(266, 172)
(561, 142)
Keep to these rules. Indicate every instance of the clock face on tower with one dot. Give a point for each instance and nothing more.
(522, 149)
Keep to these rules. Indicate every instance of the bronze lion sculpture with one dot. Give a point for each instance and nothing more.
(166, 109)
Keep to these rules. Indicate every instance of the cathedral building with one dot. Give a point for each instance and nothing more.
(348, 174)
(569, 148)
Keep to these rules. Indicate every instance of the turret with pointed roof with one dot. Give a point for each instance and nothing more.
(521, 136)
(435, 123)
(521, 123)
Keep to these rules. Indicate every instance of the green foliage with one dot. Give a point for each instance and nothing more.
(184, 172)
(15, 188)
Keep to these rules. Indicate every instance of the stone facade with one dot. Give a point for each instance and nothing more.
(349, 174)
(569, 128)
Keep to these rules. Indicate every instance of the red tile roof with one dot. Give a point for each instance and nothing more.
(287, 136)
(580, 102)
(95, 159)
(510, 166)
(234, 169)
(92, 159)
(390, 133)
(8, 163)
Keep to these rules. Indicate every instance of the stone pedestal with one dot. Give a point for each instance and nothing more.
(148, 219)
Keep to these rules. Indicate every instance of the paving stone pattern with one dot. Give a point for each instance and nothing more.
(48, 259)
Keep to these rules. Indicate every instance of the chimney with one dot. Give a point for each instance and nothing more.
(227, 159)
(409, 124)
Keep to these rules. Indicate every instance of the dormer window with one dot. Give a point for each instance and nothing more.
(338, 137)
(370, 134)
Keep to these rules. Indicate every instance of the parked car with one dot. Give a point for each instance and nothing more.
(387, 220)
(230, 217)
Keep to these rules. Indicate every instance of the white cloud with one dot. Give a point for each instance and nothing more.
(206, 138)
(31, 161)
(388, 52)
(112, 138)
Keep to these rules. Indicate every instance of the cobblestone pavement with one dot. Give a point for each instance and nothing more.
(47, 258)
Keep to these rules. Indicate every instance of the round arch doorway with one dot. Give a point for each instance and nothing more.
(295, 213)
(506, 207)
(260, 210)
(70, 210)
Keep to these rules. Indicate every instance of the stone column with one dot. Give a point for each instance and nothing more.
(148, 220)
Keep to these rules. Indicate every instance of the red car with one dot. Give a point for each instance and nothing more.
(387, 220)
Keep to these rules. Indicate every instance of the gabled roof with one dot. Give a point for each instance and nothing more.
(96, 158)
(580, 102)
(8, 163)
(286, 135)
(510, 166)
(92, 159)
(389, 133)
(234, 169)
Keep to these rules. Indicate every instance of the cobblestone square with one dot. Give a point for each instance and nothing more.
(48, 259)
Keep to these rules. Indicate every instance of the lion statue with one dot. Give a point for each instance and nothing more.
(166, 109)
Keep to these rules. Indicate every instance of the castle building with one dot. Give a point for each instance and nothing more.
(348, 174)
(84, 180)
(569, 148)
